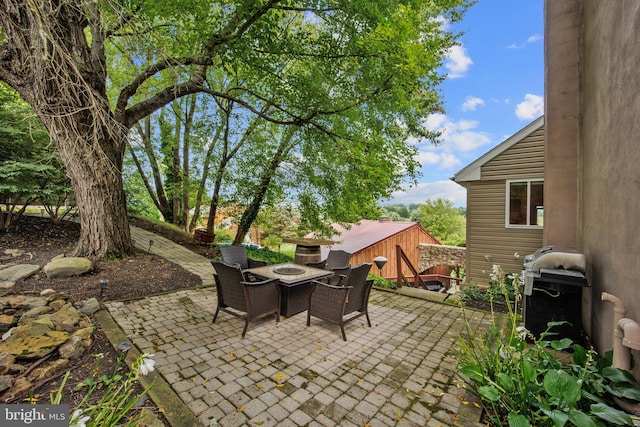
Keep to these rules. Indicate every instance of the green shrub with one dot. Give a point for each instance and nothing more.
(379, 282)
(497, 289)
(267, 255)
(524, 384)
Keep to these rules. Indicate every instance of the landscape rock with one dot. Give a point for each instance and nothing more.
(6, 285)
(67, 267)
(72, 349)
(5, 382)
(66, 319)
(18, 272)
(6, 322)
(14, 252)
(34, 313)
(35, 346)
(90, 306)
(33, 302)
(6, 361)
(49, 369)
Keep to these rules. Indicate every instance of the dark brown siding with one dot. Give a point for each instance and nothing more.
(408, 241)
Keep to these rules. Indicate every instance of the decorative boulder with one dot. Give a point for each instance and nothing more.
(67, 267)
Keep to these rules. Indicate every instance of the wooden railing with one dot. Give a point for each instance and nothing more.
(418, 280)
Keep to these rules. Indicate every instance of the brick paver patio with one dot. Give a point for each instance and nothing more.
(400, 372)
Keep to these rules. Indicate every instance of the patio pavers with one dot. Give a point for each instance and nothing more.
(399, 372)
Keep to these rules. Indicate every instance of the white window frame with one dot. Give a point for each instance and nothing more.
(507, 211)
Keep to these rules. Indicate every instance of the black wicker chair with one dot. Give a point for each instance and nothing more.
(340, 304)
(254, 299)
(238, 255)
(335, 259)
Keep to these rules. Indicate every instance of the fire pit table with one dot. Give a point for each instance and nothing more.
(295, 284)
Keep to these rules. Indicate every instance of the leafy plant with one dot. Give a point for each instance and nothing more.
(502, 288)
(380, 282)
(267, 255)
(522, 383)
(118, 398)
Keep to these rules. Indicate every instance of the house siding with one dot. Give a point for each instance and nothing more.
(525, 160)
(489, 241)
(408, 240)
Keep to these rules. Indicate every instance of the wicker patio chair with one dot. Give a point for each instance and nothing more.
(254, 299)
(238, 255)
(340, 275)
(341, 304)
(335, 259)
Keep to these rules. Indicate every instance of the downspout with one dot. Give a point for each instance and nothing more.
(626, 336)
(621, 356)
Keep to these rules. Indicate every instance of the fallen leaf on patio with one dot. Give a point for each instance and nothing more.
(259, 423)
(240, 409)
(231, 353)
(279, 385)
(365, 424)
(259, 386)
(476, 405)
(319, 348)
(280, 377)
(399, 416)
(464, 402)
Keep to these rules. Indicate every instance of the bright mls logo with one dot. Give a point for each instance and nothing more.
(34, 415)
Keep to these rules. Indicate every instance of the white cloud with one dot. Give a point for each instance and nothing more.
(428, 158)
(471, 103)
(457, 62)
(447, 190)
(531, 108)
(456, 135)
(449, 161)
(531, 39)
(534, 38)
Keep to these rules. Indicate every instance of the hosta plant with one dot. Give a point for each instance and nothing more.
(521, 381)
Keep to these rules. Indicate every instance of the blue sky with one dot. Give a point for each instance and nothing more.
(494, 88)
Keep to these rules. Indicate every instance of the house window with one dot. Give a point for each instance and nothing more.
(525, 203)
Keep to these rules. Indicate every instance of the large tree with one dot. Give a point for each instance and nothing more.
(57, 55)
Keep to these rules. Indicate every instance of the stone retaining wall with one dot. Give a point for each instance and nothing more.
(435, 255)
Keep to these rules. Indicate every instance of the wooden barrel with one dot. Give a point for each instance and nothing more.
(306, 254)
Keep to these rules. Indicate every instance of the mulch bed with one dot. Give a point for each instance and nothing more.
(138, 276)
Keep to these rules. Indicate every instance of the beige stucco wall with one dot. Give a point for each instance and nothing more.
(592, 61)
(611, 158)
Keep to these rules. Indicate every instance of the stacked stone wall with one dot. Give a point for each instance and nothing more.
(436, 255)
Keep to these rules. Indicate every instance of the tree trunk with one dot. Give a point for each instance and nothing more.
(60, 71)
(251, 212)
(95, 171)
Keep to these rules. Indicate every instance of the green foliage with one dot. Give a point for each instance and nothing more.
(272, 242)
(119, 395)
(443, 221)
(498, 286)
(223, 236)
(29, 168)
(522, 384)
(380, 282)
(267, 255)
